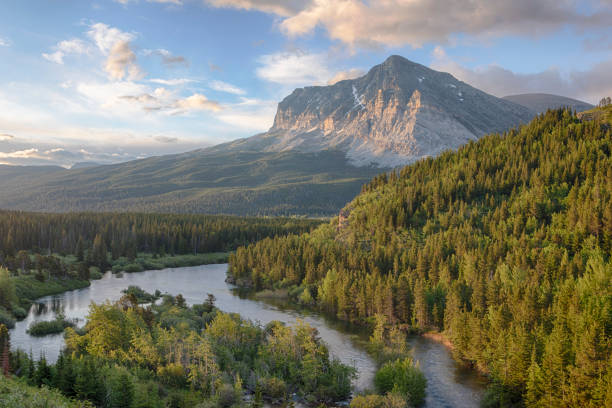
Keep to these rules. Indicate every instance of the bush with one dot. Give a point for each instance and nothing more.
(403, 377)
(19, 312)
(6, 318)
(226, 396)
(43, 328)
(391, 400)
(273, 388)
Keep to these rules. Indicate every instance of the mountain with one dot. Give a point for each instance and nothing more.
(540, 102)
(83, 165)
(326, 142)
(502, 248)
(400, 111)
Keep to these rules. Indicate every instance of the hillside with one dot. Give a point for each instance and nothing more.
(504, 246)
(600, 113)
(539, 102)
(326, 143)
(244, 183)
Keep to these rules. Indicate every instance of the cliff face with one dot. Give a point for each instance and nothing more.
(398, 112)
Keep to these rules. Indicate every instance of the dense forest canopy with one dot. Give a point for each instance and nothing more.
(503, 245)
(125, 232)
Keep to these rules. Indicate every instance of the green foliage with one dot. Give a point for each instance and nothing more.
(6, 319)
(16, 394)
(402, 377)
(186, 355)
(504, 246)
(43, 328)
(8, 295)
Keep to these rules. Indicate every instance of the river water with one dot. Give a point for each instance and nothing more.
(448, 385)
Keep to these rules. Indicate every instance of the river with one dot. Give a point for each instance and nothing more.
(448, 384)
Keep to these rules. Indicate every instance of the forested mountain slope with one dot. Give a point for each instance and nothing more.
(504, 246)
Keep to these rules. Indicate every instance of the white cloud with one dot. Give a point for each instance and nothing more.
(4, 42)
(415, 22)
(115, 45)
(20, 154)
(121, 62)
(105, 37)
(225, 87)
(348, 74)
(167, 57)
(295, 69)
(250, 115)
(5, 137)
(64, 48)
(171, 82)
(280, 7)
(589, 85)
(196, 102)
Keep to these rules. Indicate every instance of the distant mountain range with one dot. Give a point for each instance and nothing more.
(539, 102)
(326, 142)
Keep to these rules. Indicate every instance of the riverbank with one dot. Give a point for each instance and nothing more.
(29, 287)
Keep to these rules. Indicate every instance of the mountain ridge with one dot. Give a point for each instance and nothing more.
(326, 142)
(398, 112)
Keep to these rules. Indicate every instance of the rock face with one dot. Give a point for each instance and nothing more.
(398, 112)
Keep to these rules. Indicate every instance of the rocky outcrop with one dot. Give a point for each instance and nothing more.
(398, 112)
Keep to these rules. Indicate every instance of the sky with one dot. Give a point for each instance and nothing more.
(114, 80)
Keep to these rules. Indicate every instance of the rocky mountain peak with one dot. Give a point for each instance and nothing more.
(398, 112)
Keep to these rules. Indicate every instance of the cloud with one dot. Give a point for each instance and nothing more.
(249, 114)
(348, 74)
(127, 98)
(5, 137)
(167, 57)
(64, 48)
(20, 154)
(171, 82)
(416, 22)
(175, 2)
(280, 7)
(589, 85)
(294, 68)
(165, 139)
(121, 62)
(4, 42)
(225, 87)
(115, 45)
(196, 102)
(105, 37)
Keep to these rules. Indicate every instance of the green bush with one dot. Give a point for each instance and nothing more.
(402, 376)
(273, 388)
(43, 328)
(19, 312)
(6, 318)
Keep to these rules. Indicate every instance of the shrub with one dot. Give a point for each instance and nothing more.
(43, 328)
(404, 377)
(6, 318)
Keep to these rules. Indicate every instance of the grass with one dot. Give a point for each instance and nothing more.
(146, 262)
(28, 288)
(16, 394)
